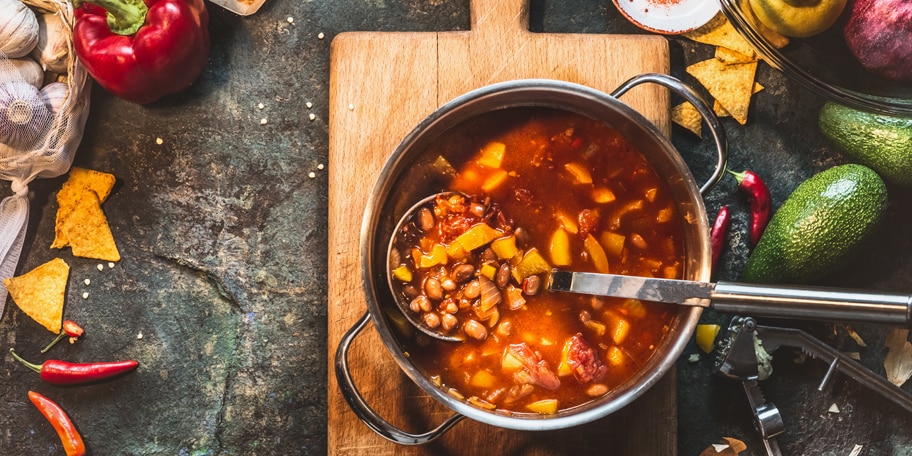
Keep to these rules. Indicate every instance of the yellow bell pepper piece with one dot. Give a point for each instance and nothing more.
(472, 239)
(706, 337)
(483, 379)
(559, 248)
(505, 247)
(579, 172)
(492, 154)
(403, 274)
(596, 254)
(532, 263)
(613, 243)
(437, 255)
(494, 180)
(544, 406)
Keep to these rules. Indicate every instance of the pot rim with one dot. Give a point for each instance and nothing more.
(566, 96)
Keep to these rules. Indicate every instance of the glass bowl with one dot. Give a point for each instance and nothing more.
(824, 64)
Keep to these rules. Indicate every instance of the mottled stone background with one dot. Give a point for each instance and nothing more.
(221, 293)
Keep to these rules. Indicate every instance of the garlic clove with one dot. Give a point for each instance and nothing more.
(18, 29)
(30, 70)
(54, 95)
(52, 50)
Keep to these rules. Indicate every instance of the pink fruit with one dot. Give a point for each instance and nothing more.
(879, 34)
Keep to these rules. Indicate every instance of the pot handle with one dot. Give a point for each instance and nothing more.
(364, 412)
(689, 94)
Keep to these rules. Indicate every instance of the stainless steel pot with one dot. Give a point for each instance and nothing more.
(403, 181)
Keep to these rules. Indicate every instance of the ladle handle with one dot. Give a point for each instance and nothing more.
(704, 108)
(810, 303)
(364, 412)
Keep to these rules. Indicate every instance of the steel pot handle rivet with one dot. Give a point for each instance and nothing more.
(364, 411)
(689, 94)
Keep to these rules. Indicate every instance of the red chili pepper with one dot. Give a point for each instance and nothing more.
(69, 436)
(141, 50)
(71, 329)
(58, 372)
(759, 197)
(718, 234)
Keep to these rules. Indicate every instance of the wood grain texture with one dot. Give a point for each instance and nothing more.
(381, 85)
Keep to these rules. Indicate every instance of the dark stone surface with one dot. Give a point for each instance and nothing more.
(221, 293)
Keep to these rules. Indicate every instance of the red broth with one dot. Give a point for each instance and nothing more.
(573, 192)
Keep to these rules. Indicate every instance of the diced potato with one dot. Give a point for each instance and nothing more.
(510, 363)
(483, 379)
(615, 356)
(492, 154)
(596, 327)
(544, 406)
(403, 274)
(437, 255)
(596, 253)
(471, 239)
(505, 247)
(531, 264)
(602, 195)
(559, 248)
(706, 336)
(494, 180)
(579, 172)
(468, 180)
(613, 243)
(567, 223)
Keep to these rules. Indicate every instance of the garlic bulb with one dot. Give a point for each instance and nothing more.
(24, 118)
(18, 29)
(30, 71)
(52, 50)
(54, 95)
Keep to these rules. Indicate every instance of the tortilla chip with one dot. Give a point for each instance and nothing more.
(720, 32)
(687, 116)
(729, 57)
(731, 85)
(80, 223)
(41, 292)
(83, 179)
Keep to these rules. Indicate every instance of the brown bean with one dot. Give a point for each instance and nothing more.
(531, 285)
(477, 209)
(488, 256)
(637, 241)
(502, 278)
(522, 236)
(475, 330)
(472, 290)
(447, 284)
(425, 220)
(463, 272)
(585, 316)
(433, 289)
(448, 322)
(431, 320)
(504, 328)
(419, 304)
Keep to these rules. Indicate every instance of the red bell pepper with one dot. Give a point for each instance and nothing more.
(141, 50)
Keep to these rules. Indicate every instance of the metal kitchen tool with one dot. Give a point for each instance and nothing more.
(744, 349)
(781, 301)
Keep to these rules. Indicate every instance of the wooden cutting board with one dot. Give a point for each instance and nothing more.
(381, 85)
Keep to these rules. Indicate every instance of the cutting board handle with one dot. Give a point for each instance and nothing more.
(500, 16)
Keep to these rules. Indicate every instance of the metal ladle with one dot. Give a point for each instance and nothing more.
(779, 301)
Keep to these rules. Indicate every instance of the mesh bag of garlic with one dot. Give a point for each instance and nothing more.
(44, 102)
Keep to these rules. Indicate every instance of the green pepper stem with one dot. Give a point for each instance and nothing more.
(32, 366)
(54, 342)
(125, 17)
(738, 176)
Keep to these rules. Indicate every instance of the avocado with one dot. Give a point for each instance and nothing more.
(819, 226)
(881, 142)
